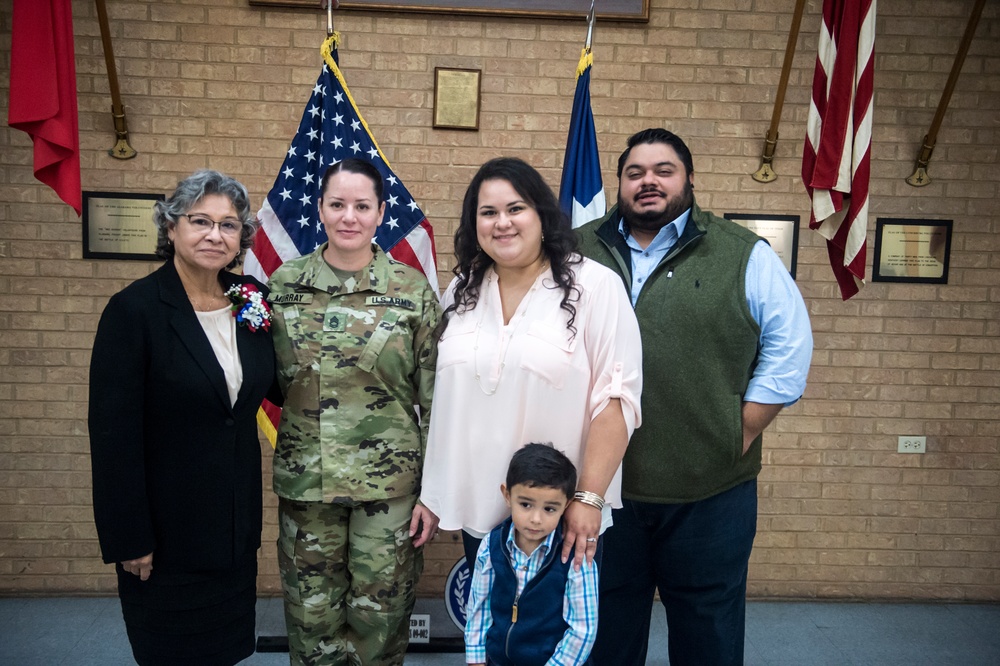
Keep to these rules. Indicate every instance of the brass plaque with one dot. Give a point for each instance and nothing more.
(780, 231)
(912, 251)
(119, 225)
(456, 98)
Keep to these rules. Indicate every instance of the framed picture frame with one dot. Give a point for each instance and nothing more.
(119, 225)
(912, 250)
(457, 94)
(613, 10)
(780, 231)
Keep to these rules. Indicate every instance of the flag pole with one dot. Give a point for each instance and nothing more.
(766, 174)
(919, 177)
(581, 190)
(591, 16)
(330, 4)
(122, 149)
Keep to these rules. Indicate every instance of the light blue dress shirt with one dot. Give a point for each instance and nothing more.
(775, 304)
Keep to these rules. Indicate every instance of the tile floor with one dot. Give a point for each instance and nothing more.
(90, 632)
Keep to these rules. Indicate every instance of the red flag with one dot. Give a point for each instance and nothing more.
(43, 93)
(835, 161)
(331, 129)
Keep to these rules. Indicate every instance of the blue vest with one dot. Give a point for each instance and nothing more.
(532, 639)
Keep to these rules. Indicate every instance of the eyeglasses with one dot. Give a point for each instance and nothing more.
(204, 225)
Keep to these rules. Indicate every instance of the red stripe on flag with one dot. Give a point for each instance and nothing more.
(405, 254)
(426, 226)
(265, 252)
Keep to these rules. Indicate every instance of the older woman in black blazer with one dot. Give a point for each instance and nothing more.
(181, 362)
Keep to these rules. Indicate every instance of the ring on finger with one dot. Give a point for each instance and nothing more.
(591, 539)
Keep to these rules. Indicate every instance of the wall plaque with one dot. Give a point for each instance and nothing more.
(781, 231)
(912, 251)
(456, 98)
(616, 10)
(119, 225)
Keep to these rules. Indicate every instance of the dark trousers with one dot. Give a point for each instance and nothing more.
(696, 556)
(470, 545)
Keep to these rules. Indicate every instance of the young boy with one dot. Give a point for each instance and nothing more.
(526, 607)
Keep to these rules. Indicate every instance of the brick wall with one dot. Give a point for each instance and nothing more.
(215, 83)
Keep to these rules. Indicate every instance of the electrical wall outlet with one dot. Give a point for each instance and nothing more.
(912, 444)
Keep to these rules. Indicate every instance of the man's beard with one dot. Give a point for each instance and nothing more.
(652, 221)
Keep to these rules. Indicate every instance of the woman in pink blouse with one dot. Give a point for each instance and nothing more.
(540, 345)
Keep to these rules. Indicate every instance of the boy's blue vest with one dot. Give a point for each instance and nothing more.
(533, 638)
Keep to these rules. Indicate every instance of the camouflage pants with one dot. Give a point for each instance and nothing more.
(349, 575)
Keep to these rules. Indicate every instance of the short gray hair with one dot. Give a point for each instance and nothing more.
(189, 192)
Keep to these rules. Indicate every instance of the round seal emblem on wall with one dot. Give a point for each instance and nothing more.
(456, 592)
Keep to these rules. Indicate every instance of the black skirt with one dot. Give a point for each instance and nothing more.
(181, 618)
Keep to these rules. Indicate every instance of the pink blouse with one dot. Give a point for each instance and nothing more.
(500, 387)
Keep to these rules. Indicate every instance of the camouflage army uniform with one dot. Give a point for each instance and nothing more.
(355, 363)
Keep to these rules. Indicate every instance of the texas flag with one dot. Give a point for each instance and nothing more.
(581, 192)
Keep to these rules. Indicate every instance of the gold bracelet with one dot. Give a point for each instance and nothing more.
(589, 498)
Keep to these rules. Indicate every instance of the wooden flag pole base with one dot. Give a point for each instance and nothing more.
(919, 177)
(765, 174)
(122, 149)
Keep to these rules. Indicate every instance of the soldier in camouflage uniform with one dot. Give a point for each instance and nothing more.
(356, 357)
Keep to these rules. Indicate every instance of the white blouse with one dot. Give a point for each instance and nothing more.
(499, 387)
(220, 327)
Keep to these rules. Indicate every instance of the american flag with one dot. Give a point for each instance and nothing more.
(581, 192)
(836, 158)
(331, 130)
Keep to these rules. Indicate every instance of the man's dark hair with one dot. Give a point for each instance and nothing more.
(658, 135)
(542, 466)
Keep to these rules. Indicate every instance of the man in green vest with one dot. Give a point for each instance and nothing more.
(726, 344)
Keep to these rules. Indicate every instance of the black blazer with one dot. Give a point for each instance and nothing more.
(176, 468)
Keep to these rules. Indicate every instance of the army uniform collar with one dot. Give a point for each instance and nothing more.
(374, 277)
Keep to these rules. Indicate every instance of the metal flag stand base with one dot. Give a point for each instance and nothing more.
(440, 645)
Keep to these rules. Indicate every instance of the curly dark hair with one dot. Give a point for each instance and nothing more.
(559, 241)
